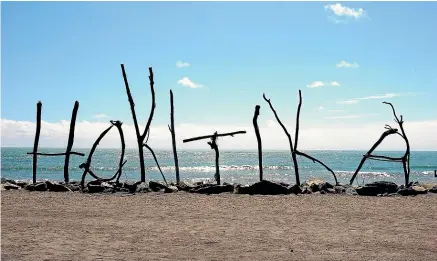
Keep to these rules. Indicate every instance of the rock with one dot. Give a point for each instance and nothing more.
(433, 189)
(294, 189)
(21, 183)
(213, 189)
(378, 187)
(266, 187)
(238, 189)
(40, 186)
(351, 191)
(55, 187)
(420, 189)
(9, 186)
(412, 191)
(313, 185)
(99, 188)
(183, 186)
(306, 190)
(171, 189)
(329, 190)
(73, 186)
(156, 186)
(10, 181)
(340, 189)
(325, 186)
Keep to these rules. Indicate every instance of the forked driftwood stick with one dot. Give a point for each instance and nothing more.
(173, 137)
(258, 138)
(70, 141)
(214, 146)
(290, 142)
(140, 137)
(156, 161)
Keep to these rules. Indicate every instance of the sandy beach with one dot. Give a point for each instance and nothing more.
(184, 226)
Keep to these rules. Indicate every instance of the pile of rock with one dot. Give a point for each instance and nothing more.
(265, 187)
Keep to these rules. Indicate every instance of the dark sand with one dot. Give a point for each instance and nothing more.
(183, 226)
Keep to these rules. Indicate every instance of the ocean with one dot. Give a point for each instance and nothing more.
(235, 166)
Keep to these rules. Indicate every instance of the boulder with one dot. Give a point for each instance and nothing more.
(9, 186)
(239, 189)
(21, 183)
(42, 186)
(378, 187)
(351, 191)
(266, 187)
(314, 185)
(213, 189)
(55, 187)
(306, 190)
(183, 186)
(156, 186)
(73, 186)
(99, 188)
(340, 189)
(171, 189)
(10, 181)
(433, 189)
(294, 189)
(412, 191)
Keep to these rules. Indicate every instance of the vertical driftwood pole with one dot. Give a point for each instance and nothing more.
(258, 138)
(214, 146)
(173, 137)
(137, 130)
(70, 141)
(35, 144)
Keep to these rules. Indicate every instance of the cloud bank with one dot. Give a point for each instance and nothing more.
(338, 135)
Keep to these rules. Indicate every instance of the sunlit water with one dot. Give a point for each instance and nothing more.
(235, 166)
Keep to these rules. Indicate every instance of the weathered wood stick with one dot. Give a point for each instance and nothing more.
(56, 154)
(70, 141)
(140, 138)
(293, 154)
(258, 138)
(156, 161)
(383, 136)
(321, 163)
(217, 135)
(173, 137)
(35, 144)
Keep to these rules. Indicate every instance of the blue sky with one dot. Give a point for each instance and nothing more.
(59, 52)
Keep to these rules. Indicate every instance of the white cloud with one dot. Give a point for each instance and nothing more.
(350, 116)
(100, 116)
(316, 84)
(344, 64)
(188, 83)
(321, 108)
(181, 64)
(336, 110)
(334, 83)
(341, 135)
(385, 96)
(340, 10)
(348, 102)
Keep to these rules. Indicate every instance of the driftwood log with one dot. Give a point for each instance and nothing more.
(293, 149)
(405, 159)
(173, 138)
(140, 137)
(87, 165)
(258, 138)
(213, 144)
(68, 151)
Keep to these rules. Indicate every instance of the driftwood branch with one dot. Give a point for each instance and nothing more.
(386, 133)
(383, 157)
(146, 132)
(35, 144)
(173, 137)
(214, 146)
(56, 154)
(321, 163)
(70, 141)
(87, 165)
(215, 135)
(156, 161)
(258, 138)
(137, 130)
(293, 154)
(296, 137)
